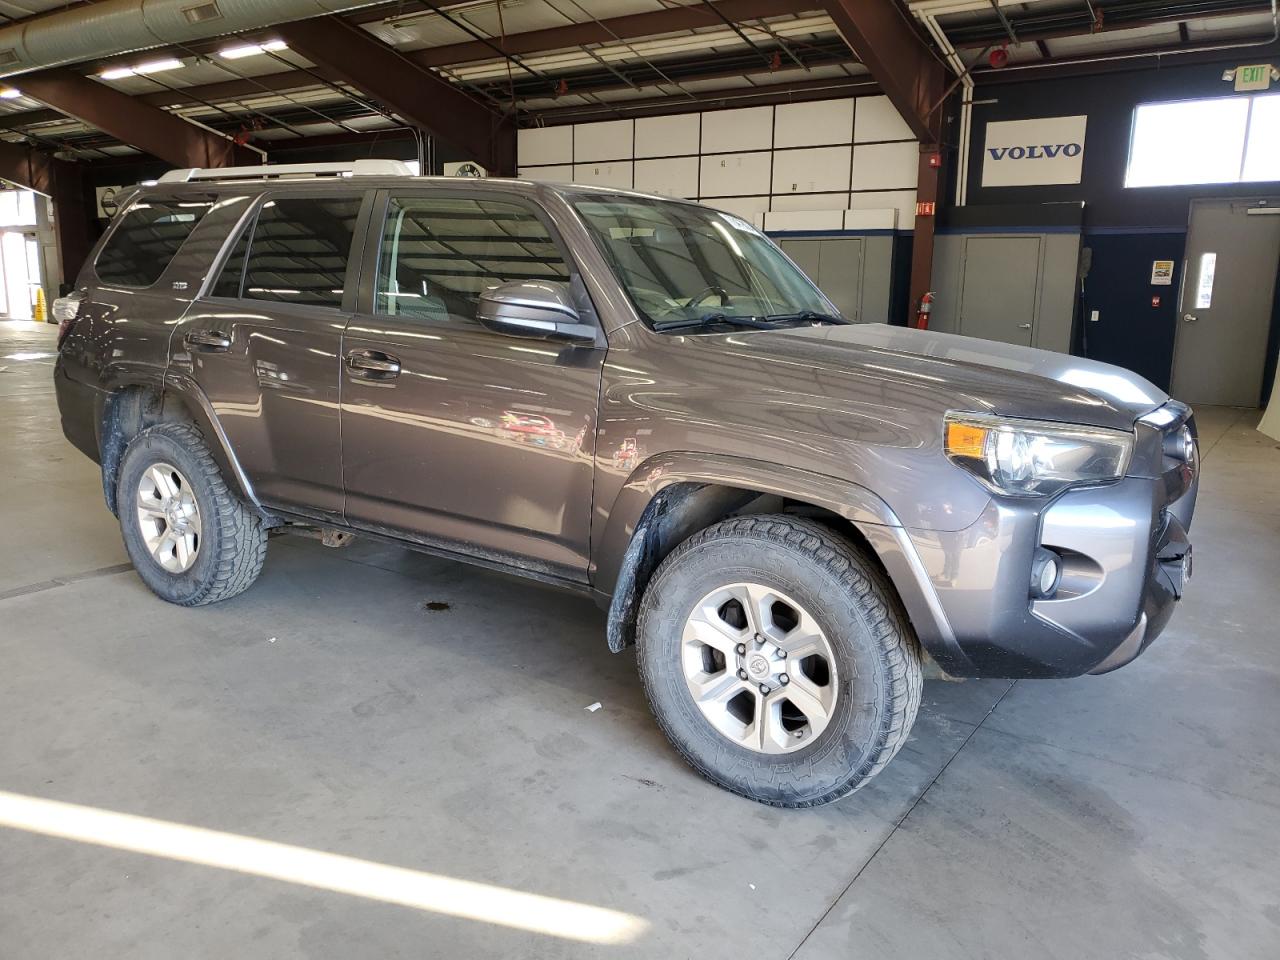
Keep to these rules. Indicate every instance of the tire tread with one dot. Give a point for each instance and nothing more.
(876, 600)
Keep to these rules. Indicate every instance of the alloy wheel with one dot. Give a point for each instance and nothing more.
(759, 667)
(169, 517)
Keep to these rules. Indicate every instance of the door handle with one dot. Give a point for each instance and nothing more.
(1024, 326)
(373, 365)
(1188, 317)
(208, 340)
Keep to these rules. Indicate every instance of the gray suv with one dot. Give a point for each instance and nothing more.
(636, 399)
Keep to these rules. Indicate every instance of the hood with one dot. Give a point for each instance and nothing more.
(978, 376)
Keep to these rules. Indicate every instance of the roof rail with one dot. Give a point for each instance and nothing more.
(283, 171)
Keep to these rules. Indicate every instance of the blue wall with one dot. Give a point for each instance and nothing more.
(1131, 332)
(1126, 229)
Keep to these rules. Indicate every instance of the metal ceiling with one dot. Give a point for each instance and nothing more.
(550, 61)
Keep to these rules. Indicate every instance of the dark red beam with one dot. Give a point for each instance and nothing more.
(763, 95)
(882, 35)
(67, 184)
(129, 120)
(419, 96)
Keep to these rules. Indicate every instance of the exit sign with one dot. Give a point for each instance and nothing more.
(1256, 76)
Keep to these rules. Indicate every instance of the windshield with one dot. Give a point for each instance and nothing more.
(681, 262)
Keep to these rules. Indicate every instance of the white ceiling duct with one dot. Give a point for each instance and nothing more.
(92, 31)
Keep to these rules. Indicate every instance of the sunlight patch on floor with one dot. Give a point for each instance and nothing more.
(465, 899)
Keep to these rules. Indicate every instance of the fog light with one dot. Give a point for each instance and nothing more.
(1046, 572)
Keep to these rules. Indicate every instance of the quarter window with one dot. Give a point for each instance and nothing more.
(298, 253)
(439, 254)
(147, 239)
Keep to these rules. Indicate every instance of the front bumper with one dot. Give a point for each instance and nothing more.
(1125, 557)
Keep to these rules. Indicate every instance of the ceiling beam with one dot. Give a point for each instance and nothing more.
(763, 95)
(150, 129)
(1123, 61)
(419, 96)
(883, 37)
(1124, 15)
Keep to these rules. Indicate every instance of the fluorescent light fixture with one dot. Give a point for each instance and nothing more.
(8, 93)
(116, 73)
(155, 66)
(252, 49)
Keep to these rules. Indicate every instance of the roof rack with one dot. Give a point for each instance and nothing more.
(283, 171)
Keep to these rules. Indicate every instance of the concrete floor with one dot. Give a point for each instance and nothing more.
(327, 709)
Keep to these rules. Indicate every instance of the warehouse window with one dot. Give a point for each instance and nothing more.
(1218, 140)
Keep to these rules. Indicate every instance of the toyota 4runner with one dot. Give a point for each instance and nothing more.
(637, 399)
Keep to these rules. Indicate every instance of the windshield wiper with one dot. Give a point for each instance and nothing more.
(811, 316)
(711, 320)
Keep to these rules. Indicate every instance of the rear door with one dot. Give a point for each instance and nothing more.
(451, 432)
(263, 344)
(140, 282)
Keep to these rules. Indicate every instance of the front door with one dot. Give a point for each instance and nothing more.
(453, 433)
(999, 295)
(1224, 314)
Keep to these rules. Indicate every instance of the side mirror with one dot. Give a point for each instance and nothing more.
(533, 308)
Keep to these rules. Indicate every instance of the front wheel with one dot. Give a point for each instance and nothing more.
(190, 538)
(778, 660)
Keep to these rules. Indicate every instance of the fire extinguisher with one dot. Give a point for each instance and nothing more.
(926, 307)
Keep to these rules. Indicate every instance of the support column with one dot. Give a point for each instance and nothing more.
(930, 170)
(75, 226)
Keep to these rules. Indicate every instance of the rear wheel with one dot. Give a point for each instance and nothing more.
(778, 660)
(190, 538)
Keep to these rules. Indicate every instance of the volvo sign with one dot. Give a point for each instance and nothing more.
(1020, 153)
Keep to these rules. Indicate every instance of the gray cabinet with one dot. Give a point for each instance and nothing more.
(854, 272)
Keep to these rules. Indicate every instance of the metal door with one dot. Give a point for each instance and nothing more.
(1000, 288)
(264, 344)
(1224, 311)
(451, 432)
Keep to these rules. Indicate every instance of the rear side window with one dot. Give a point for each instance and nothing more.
(298, 252)
(147, 239)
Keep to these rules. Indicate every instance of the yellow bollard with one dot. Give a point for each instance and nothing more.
(39, 314)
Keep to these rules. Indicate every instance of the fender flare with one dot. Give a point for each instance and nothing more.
(634, 535)
(185, 389)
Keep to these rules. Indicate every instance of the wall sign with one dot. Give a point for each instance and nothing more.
(109, 199)
(1162, 273)
(1021, 153)
(1254, 76)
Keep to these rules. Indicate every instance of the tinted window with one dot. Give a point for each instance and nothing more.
(299, 250)
(438, 254)
(147, 239)
(681, 261)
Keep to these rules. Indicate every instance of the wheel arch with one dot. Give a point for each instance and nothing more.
(670, 497)
(133, 404)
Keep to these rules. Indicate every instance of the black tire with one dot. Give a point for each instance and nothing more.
(233, 540)
(877, 656)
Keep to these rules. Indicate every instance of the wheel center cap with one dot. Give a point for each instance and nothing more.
(758, 666)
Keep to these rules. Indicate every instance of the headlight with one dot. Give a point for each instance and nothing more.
(1031, 458)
